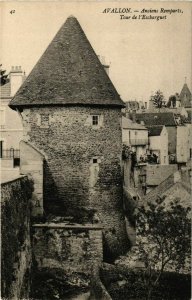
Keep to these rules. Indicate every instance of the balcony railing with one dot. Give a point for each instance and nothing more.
(10, 153)
(137, 142)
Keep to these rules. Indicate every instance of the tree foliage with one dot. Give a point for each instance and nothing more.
(126, 152)
(163, 240)
(3, 76)
(158, 99)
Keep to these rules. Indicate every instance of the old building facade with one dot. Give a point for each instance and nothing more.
(158, 143)
(11, 129)
(135, 136)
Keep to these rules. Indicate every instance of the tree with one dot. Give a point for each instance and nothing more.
(158, 99)
(126, 152)
(3, 76)
(163, 240)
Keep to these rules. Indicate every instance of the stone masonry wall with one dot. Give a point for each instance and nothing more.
(15, 238)
(72, 248)
(74, 184)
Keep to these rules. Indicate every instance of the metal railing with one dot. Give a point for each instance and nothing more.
(10, 153)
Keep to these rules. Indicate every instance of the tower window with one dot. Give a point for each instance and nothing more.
(95, 120)
(95, 160)
(45, 119)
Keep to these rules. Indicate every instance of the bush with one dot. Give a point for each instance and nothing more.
(124, 283)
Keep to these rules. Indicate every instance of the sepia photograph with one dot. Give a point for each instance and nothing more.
(96, 150)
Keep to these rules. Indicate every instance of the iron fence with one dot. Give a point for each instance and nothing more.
(10, 153)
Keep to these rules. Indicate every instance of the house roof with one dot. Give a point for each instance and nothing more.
(68, 73)
(5, 90)
(185, 96)
(155, 174)
(129, 124)
(176, 110)
(171, 188)
(154, 130)
(161, 118)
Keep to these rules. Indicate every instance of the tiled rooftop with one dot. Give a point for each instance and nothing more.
(171, 188)
(155, 174)
(161, 118)
(129, 124)
(155, 130)
(5, 90)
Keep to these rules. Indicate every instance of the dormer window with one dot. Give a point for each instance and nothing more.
(95, 120)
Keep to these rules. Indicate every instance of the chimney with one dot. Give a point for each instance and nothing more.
(24, 76)
(127, 114)
(105, 66)
(16, 79)
(134, 116)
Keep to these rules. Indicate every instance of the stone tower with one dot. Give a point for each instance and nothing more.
(72, 113)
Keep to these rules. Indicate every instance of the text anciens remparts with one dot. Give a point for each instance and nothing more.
(142, 14)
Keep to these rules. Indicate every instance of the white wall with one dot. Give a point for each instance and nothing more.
(16, 79)
(182, 144)
(160, 144)
(134, 134)
(189, 139)
(12, 129)
(131, 136)
(141, 151)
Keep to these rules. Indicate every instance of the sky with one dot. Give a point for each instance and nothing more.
(144, 55)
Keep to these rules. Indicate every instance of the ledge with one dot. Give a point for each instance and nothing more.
(68, 226)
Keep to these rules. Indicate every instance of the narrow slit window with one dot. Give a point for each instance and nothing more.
(45, 119)
(95, 160)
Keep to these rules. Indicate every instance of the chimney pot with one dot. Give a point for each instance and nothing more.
(134, 116)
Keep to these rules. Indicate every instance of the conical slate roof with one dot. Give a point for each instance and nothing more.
(68, 73)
